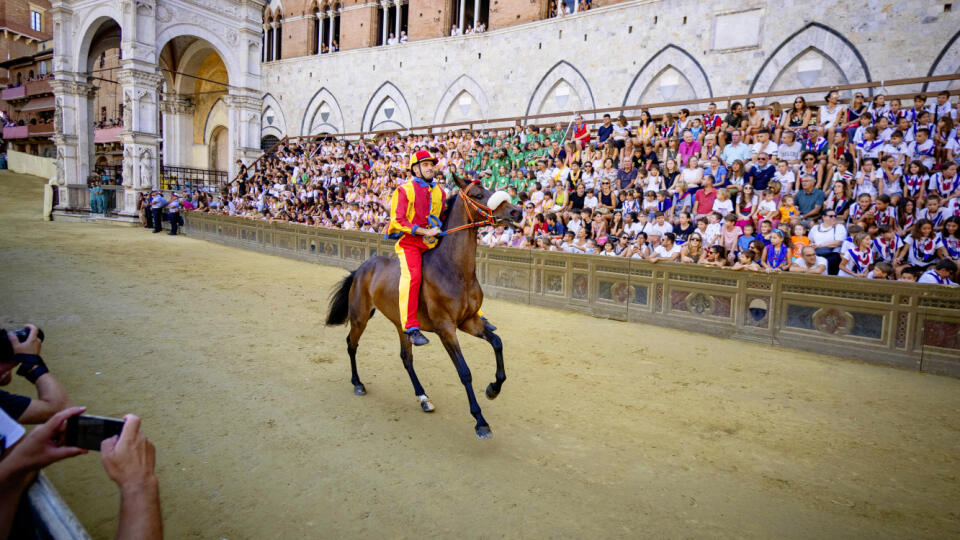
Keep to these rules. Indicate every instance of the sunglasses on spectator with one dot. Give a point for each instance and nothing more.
(751, 106)
(830, 215)
(808, 159)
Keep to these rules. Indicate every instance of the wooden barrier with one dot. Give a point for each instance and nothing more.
(905, 325)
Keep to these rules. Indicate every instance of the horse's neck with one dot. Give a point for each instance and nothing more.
(460, 247)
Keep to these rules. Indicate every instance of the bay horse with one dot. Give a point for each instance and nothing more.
(450, 295)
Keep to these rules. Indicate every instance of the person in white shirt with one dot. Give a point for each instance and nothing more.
(763, 146)
(940, 274)
(789, 149)
(668, 250)
(922, 149)
(809, 263)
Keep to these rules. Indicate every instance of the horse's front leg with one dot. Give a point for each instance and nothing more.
(476, 327)
(448, 336)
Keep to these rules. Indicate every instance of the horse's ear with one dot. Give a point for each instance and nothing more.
(461, 182)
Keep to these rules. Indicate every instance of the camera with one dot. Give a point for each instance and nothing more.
(24, 333)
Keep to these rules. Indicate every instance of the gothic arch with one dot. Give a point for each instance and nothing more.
(313, 121)
(216, 117)
(825, 40)
(947, 63)
(214, 40)
(92, 22)
(463, 84)
(271, 118)
(681, 61)
(396, 117)
(561, 71)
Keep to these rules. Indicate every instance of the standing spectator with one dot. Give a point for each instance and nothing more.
(157, 203)
(173, 213)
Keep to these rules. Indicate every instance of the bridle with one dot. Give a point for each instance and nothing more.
(474, 210)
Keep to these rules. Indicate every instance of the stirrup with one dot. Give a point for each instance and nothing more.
(416, 337)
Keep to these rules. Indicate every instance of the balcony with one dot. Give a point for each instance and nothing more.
(107, 135)
(18, 92)
(35, 88)
(16, 132)
(31, 88)
(41, 130)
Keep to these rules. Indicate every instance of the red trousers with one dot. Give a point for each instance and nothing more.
(410, 251)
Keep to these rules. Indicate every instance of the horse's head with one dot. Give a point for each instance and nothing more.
(490, 204)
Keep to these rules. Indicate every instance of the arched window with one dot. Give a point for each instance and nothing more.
(317, 33)
(328, 22)
(279, 36)
(468, 15)
(392, 21)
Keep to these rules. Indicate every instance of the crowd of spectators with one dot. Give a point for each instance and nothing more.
(867, 189)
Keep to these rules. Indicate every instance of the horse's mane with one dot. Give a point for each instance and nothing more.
(447, 207)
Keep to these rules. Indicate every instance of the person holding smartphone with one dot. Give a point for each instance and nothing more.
(129, 460)
(24, 357)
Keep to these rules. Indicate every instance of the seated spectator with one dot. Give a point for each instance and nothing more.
(809, 263)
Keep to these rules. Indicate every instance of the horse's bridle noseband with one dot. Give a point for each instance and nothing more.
(485, 213)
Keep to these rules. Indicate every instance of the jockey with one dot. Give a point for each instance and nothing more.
(415, 208)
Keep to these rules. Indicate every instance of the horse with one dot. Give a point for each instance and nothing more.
(450, 295)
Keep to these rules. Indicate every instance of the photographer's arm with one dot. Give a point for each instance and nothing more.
(129, 461)
(35, 451)
(51, 399)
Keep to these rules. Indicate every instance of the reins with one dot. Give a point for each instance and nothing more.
(469, 205)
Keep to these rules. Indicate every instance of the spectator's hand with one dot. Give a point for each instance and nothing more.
(130, 458)
(42, 446)
(30, 346)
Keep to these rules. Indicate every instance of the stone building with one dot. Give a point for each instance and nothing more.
(203, 83)
(188, 69)
(617, 53)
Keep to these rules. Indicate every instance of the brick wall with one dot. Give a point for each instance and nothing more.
(297, 38)
(428, 19)
(358, 28)
(504, 13)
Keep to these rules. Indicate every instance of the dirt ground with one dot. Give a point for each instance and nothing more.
(603, 429)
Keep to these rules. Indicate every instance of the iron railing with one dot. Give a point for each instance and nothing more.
(177, 178)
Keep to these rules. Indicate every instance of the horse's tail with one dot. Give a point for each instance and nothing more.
(340, 302)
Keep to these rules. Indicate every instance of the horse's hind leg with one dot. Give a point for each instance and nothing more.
(357, 324)
(475, 327)
(448, 335)
(406, 354)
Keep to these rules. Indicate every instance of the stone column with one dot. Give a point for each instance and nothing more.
(476, 14)
(386, 9)
(318, 17)
(177, 114)
(397, 29)
(243, 127)
(330, 31)
(463, 14)
(140, 135)
(73, 133)
(264, 57)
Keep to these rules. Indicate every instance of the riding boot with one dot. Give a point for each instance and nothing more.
(416, 337)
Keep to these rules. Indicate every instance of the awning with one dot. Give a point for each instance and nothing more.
(39, 104)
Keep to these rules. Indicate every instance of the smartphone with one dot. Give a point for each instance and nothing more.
(88, 431)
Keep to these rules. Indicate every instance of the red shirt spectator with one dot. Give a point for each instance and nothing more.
(581, 132)
(703, 200)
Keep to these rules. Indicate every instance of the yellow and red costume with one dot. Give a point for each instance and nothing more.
(412, 206)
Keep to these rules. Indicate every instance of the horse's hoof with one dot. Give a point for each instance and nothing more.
(483, 432)
(427, 406)
(492, 393)
(359, 389)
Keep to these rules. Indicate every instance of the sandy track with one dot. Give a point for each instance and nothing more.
(603, 429)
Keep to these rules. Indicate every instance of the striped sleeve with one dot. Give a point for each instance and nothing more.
(398, 212)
